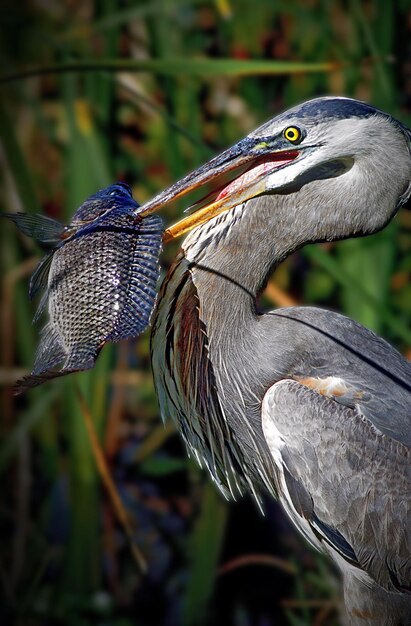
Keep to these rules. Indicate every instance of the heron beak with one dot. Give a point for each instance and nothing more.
(249, 160)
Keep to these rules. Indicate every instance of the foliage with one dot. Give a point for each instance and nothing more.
(143, 92)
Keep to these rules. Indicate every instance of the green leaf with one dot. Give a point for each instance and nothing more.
(163, 466)
(178, 67)
(205, 548)
(318, 255)
(28, 420)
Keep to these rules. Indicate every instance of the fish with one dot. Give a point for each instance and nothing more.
(99, 280)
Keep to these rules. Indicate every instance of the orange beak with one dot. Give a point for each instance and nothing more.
(250, 154)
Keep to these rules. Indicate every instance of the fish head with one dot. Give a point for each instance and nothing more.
(117, 196)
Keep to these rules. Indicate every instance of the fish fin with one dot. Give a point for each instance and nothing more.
(34, 380)
(50, 351)
(82, 357)
(43, 229)
(50, 354)
(40, 275)
(141, 288)
(41, 307)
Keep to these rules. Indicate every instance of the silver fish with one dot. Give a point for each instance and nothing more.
(99, 280)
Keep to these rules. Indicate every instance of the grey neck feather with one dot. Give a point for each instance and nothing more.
(236, 252)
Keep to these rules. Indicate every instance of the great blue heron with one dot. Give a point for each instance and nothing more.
(301, 401)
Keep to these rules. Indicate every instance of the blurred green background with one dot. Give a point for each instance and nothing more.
(98, 91)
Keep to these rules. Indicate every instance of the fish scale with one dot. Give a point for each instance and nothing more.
(99, 281)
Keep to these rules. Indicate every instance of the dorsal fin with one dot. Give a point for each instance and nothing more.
(41, 228)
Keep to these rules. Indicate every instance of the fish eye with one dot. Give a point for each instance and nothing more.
(120, 190)
(293, 134)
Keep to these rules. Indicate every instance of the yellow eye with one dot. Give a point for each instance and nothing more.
(293, 134)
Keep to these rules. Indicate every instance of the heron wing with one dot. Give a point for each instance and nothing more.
(328, 344)
(346, 485)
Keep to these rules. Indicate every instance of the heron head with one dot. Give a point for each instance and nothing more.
(321, 149)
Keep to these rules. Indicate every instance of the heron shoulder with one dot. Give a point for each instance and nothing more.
(328, 344)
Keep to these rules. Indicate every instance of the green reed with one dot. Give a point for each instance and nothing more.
(74, 113)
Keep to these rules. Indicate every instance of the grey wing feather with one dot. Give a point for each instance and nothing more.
(359, 480)
(344, 348)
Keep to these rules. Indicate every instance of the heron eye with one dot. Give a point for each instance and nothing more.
(293, 134)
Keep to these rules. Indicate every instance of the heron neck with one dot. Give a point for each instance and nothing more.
(208, 341)
(234, 255)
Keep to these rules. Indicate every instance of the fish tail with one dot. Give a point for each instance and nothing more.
(34, 380)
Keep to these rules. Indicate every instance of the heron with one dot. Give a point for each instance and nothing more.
(300, 401)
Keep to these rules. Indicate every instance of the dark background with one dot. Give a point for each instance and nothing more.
(84, 123)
